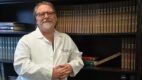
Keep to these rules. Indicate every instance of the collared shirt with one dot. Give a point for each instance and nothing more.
(35, 57)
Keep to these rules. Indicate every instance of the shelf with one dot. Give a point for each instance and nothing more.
(6, 61)
(76, 34)
(65, 2)
(17, 1)
(103, 34)
(14, 32)
(110, 69)
(93, 42)
(60, 2)
(104, 68)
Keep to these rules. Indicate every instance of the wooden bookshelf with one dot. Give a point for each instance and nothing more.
(14, 32)
(98, 27)
(109, 69)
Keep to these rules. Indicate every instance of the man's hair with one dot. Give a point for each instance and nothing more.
(43, 3)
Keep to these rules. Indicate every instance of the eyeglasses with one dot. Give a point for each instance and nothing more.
(43, 14)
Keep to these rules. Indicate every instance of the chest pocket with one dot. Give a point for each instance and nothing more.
(65, 54)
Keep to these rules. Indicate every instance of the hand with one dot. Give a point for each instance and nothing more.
(56, 72)
(61, 71)
(65, 69)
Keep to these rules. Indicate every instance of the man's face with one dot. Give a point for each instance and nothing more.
(46, 17)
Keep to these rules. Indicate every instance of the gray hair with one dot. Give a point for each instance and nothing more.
(43, 3)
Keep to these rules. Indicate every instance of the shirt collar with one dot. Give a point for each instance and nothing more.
(39, 34)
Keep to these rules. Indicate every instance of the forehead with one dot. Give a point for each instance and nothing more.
(44, 8)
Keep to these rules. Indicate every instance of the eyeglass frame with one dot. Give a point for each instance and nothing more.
(43, 14)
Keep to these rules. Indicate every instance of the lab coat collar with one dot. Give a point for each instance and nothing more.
(39, 34)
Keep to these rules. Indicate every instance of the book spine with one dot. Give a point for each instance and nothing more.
(6, 27)
(89, 63)
(88, 58)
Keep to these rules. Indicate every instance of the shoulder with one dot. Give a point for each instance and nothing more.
(28, 37)
(65, 38)
(63, 35)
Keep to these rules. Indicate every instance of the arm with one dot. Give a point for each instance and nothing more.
(75, 60)
(24, 66)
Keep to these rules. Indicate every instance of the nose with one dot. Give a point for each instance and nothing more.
(46, 15)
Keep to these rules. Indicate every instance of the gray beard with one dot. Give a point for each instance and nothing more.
(48, 27)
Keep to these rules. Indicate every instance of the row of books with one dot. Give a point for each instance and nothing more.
(93, 61)
(128, 77)
(98, 18)
(13, 26)
(89, 60)
(7, 46)
(128, 54)
(12, 77)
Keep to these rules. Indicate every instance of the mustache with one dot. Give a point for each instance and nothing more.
(46, 20)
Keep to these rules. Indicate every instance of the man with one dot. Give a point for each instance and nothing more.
(46, 54)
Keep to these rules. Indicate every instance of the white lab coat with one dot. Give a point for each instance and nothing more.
(35, 58)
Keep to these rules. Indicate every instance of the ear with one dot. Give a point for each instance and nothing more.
(34, 16)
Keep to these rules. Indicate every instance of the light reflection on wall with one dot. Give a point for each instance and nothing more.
(25, 16)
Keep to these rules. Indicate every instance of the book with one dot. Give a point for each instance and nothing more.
(13, 26)
(89, 63)
(90, 58)
(6, 25)
(23, 27)
(107, 59)
(12, 77)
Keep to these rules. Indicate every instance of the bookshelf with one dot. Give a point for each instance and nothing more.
(99, 28)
